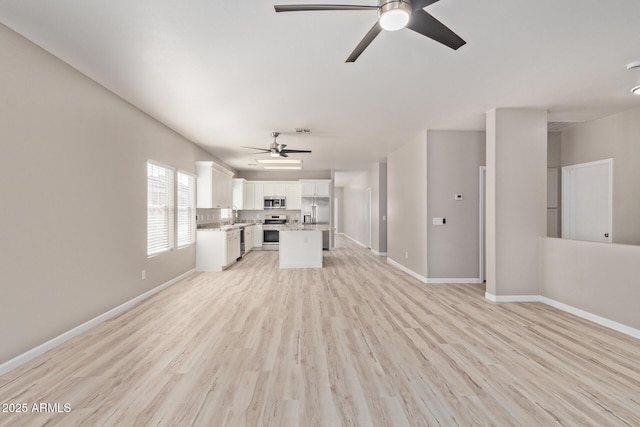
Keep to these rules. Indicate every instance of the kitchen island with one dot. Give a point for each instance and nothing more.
(300, 247)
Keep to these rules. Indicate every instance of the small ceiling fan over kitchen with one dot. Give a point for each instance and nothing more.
(393, 15)
(278, 150)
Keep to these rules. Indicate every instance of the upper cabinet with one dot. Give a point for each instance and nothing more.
(214, 189)
(316, 188)
(274, 189)
(293, 195)
(239, 190)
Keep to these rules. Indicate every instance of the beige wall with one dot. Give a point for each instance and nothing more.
(73, 187)
(382, 200)
(339, 196)
(599, 278)
(516, 199)
(453, 166)
(554, 150)
(407, 205)
(614, 137)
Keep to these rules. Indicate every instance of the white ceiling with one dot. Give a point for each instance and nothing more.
(227, 73)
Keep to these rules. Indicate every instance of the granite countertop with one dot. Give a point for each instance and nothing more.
(307, 227)
(286, 227)
(224, 227)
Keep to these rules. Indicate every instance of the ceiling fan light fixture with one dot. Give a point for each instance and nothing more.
(394, 15)
(274, 153)
(636, 90)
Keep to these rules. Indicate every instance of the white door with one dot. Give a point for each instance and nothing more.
(587, 201)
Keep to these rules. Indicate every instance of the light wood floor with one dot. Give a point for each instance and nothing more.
(357, 343)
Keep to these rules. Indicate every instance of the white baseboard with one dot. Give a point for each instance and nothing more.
(602, 321)
(354, 240)
(406, 270)
(54, 342)
(454, 281)
(378, 253)
(628, 330)
(512, 298)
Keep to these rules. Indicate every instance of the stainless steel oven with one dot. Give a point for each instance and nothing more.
(271, 232)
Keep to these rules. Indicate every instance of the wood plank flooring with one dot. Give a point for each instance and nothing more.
(357, 343)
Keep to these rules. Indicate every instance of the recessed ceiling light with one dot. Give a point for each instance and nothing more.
(279, 161)
(283, 167)
(636, 90)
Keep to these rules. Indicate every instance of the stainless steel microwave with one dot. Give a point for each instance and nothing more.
(275, 203)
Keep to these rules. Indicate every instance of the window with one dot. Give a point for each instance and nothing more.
(159, 208)
(186, 209)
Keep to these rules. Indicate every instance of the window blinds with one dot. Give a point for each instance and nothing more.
(159, 208)
(186, 209)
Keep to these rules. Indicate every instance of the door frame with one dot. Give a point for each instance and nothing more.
(482, 190)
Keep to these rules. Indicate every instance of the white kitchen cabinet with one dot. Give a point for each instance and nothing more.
(316, 188)
(216, 249)
(249, 196)
(239, 188)
(233, 246)
(257, 236)
(258, 196)
(293, 195)
(214, 187)
(274, 188)
(249, 238)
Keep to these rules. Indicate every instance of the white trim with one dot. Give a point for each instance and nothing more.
(602, 321)
(60, 339)
(406, 270)
(628, 330)
(378, 253)
(512, 298)
(454, 281)
(354, 240)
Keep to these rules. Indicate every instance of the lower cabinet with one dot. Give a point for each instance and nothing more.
(249, 238)
(257, 236)
(216, 249)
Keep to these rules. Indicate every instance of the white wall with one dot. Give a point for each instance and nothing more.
(407, 205)
(453, 163)
(73, 188)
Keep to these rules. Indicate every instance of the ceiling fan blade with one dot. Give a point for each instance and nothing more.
(423, 23)
(254, 148)
(421, 4)
(366, 41)
(309, 7)
(283, 154)
(281, 146)
(295, 151)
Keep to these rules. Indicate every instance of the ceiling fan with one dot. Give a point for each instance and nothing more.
(393, 15)
(278, 150)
